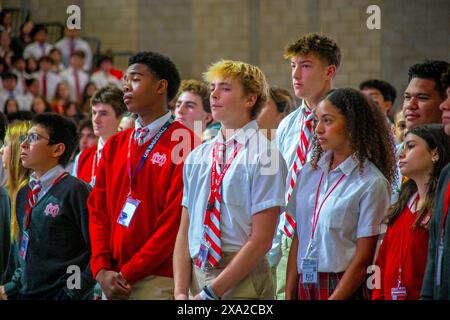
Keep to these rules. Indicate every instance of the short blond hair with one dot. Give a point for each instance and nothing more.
(251, 77)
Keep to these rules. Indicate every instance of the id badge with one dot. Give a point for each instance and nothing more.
(398, 293)
(128, 211)
(439, 262)
(310, 270)
(24, 245)
(202, 256)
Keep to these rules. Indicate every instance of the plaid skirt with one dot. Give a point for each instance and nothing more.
(327, 283)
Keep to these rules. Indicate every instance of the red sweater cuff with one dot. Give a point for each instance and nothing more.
(98, 264)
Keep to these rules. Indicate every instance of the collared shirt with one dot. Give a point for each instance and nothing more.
(100, 146)
(255, 181)
(153, 127)
(47, 179)
(52, 81)
(288, 138)
(355, 209)
(64, 45)
(35, 50)
(83, 79)
(288, 134)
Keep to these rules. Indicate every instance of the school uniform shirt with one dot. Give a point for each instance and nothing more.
(403, 247)
(254, 182)
(36, 50)
(52, 80)
(355, 209)
(84, 167)
(103, 79)
(83, 79)
(21, 87)
(145, 247)
(59, 237)
(67, 46)
(5, 95)
(287, 139)
(431, 288)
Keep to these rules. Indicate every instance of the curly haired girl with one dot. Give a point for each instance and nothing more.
(341, 198)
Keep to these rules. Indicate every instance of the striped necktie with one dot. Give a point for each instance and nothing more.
(141, 134)
(213, 234)
(36, 187)
(299, 161)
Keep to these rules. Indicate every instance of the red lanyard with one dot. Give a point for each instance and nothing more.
(28, 212)
(446, 205)
(94, 165)
(317, 213)
(216, 182)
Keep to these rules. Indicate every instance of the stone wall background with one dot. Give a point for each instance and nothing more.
(195, 33)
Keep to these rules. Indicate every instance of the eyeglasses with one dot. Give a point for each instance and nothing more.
(32, 137)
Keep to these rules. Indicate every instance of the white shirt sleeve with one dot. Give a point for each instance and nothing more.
(268, 182)
(374, 204)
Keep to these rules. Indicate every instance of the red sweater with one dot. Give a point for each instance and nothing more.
(84, 166)
(415, 257)
(146, 247)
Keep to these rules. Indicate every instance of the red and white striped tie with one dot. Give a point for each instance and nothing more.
(33, 195)
(141, 134)
(300, 159)
(213, 234)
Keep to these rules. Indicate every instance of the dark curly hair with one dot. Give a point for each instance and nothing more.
(370, 137)
(430, 69)
(435, 137)
(161, 67)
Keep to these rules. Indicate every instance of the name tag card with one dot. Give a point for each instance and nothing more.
(24, 245)
(128, 211)
(398, 293)
(310, 270)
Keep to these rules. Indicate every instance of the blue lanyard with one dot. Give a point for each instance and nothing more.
(147, 151)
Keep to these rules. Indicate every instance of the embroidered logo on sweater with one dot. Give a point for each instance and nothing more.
(52, 210)
(159, 159)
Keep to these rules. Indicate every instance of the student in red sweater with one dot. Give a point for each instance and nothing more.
(403, 253)
(135, 205)
(108, 108)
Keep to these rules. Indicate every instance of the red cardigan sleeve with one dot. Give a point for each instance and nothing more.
(99, 223)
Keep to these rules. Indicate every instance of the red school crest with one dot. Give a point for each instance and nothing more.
(159, 159)
(52, 210)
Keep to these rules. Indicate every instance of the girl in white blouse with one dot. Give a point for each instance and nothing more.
(340, 199)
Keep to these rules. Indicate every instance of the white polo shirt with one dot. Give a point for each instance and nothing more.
(254, 182)
(355, 209)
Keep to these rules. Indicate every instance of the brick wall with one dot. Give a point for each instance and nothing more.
(195, 33)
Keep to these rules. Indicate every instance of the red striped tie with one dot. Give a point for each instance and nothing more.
(141, 134)
(213, 236)
(36, 187)
(299, 161)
